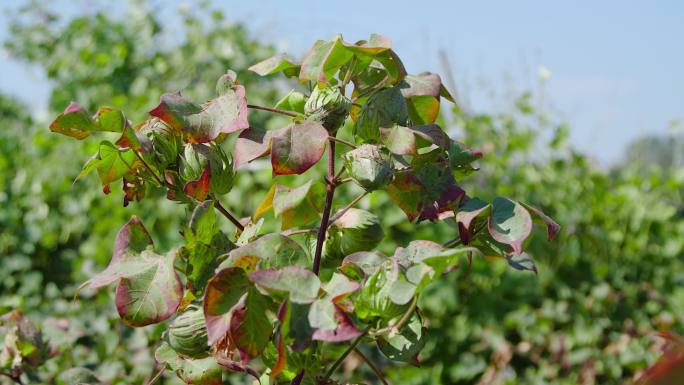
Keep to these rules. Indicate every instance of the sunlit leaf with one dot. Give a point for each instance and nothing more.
(111, 163)
(225, 114)
(324, 59)
(275, 64)
(405, 345)
(293, 101)
(551, 226)
(297, 147)
(297, 206)
(298, 284)
(252, 143)
(509, 223)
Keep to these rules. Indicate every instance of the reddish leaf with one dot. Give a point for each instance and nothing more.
(252, 143)
(509, 223)
(74, 122)
(235, 366)
(297, 147)
(345, 330)
(199, 189)
(222, 293)
(225, 114)
(552, 227)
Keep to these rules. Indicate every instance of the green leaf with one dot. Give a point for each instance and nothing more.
(250, 329)
(205, 371)
(74, 122)
(374, 45)
(225, 114)
(406, 345)
(399, 140)
(423, 109)
(324, 59)
(293, 101)
(362, 264)
(509, 223)
(278, 63)
(111, 163)
(204, 244)
(298, 284)
(373, 301)
(383, 109)
(252, 143)
(521, 261)
(461, 157)
(322, 314)
(267, 252)
(297, 206)
(223, 292)
(149, 290)
(297, 147)
(428, 189)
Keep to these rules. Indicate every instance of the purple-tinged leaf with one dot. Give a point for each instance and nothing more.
(222, 293)
(427, 190)
(250, 329)
(432, 134)
(299, 284)
(225, 114)
(552, 227)
(152, 295)
(509, 223)
(345, 330)
(423, 84)
(324, 59)
(278, 63)
(340, 287)
(74, 122)
(252, 143)
(297, 147)
(149, 290)
(472, 209)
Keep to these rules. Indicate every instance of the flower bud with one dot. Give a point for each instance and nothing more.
(328, 106)
(196, 157)
(187, 334)
(369, 166)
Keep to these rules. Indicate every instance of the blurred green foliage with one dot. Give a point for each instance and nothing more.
(605, 286)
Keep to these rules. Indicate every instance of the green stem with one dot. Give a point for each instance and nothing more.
(347, 207)
(371, 365)
(149, 168)
(344, 355)
(338, 140)
(158, 375)
(274, 110)
(404, 318)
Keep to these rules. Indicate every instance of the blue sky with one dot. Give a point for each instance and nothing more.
(617, 68)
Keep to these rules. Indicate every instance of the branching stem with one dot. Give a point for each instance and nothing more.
(274, 110)
(342, 141)
(149, 168)
(371, 365)
(227, 214)
(351, 204)
(402, 321)
(344, 355)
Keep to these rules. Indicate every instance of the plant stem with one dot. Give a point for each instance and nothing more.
(158, 375)
(147, 166)
(227, 214)
(346, 143)
(402, 320)
(274, 110)
(370, 364)
(14, 378)
(329, 192)
(351, 204)
(344, 355)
